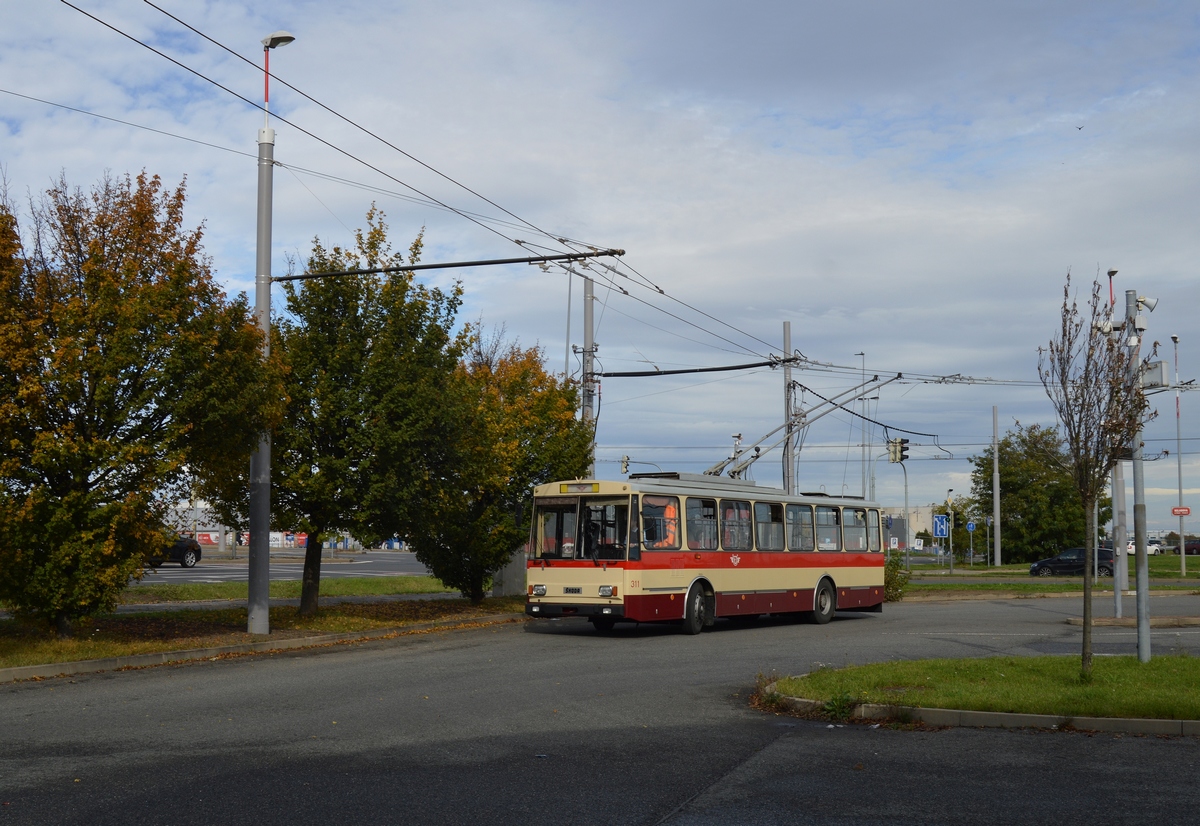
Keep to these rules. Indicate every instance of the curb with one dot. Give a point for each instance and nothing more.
(956, 597)
(999, 719)
(1131, 622)
(28, 672)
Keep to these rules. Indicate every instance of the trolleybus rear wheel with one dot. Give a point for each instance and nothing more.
(693, 611)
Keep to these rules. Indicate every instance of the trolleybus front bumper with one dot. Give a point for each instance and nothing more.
(589, 610)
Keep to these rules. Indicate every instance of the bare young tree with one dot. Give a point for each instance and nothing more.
(1100, 406)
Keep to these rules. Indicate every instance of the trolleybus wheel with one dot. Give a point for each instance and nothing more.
(603, 624)
(824, 605)
(693, 611)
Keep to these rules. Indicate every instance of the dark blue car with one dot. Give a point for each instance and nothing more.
(1070, 563)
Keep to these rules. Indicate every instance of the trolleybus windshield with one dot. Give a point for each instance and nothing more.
(588, 527)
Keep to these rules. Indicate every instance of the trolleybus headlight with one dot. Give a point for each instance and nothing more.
(539, 590)
(608, 590)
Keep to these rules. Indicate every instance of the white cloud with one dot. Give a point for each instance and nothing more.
(905, 180)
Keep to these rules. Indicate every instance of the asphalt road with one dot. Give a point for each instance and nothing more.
(549, 722)
(373, 563)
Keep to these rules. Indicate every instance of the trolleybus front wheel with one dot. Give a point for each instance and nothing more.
(694, 611)
(603, 624)
(824, 603)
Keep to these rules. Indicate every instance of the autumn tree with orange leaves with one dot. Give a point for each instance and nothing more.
(127, 378)
(511, 425)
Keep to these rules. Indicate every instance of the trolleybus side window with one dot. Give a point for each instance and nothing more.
(854, 528)
(735, 526)
(605, 528)
(701, 524)
(800, 528)
(768, 526)
(555, 526)
(874, 541)
(660, 522)
(829, 528)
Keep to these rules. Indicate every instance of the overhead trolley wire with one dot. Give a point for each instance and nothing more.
(356, 125)
(474, 218)
(298, 128)
(128, 123)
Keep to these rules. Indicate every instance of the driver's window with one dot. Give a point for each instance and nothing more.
(605, 529)
(660, 523)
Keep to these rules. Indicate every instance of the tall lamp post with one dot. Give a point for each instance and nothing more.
(1179, 463)
(258, 602)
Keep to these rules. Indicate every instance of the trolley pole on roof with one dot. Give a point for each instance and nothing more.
(788, 458)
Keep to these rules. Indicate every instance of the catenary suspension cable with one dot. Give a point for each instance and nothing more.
(374, 168)
(281, 119)
(358, 126)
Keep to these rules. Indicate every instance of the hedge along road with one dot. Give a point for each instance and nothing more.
(550, 722)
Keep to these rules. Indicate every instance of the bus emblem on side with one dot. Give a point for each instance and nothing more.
(735, 559)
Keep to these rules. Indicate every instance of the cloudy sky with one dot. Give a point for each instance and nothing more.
(907, 183)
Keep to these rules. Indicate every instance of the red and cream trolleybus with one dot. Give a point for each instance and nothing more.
(690, 548)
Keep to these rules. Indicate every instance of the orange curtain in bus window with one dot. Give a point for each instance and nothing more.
(660, 520)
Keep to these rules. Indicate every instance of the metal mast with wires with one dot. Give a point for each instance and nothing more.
(259, 573)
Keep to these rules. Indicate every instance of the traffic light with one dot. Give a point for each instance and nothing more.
(902, 449)
(624, 464)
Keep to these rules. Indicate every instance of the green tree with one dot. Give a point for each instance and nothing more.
(1040, 511)
(365, 359)
(514, 426)
(126, 376)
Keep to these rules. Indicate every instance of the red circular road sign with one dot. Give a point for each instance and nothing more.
(1184, 511)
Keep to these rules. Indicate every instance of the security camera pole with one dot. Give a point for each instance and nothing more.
(1135, 325)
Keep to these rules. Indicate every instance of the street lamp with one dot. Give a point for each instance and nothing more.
(259, 568)
(1179, 463)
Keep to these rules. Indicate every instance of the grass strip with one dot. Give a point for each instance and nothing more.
(119, 635)
(1164, 688)
(283, 589)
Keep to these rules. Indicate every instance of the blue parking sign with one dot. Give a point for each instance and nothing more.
(941, 525)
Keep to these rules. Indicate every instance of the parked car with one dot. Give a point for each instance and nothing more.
(1070, 562)
(185, 550)
(1192, 547)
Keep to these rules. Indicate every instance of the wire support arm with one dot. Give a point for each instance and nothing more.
(536, 259)
(638, 373)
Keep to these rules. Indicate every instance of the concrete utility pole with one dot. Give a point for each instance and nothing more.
(589, 379)
(1120, 534)
(258, 602)
(996, 479)
(950, 532)
(863, 427)
(1179, 463)
(789, 460)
